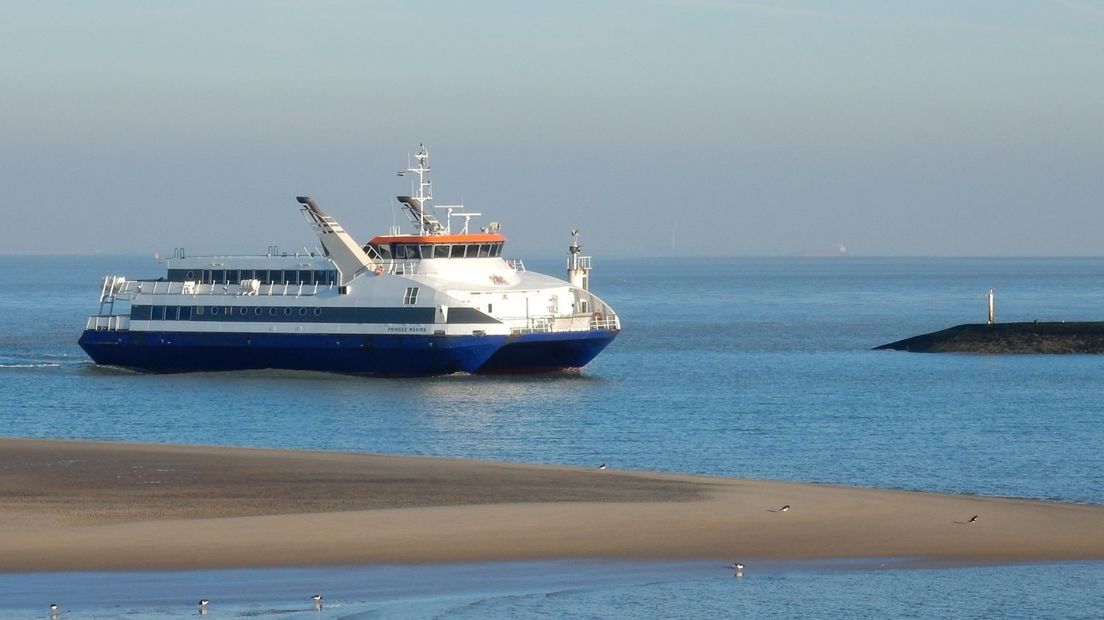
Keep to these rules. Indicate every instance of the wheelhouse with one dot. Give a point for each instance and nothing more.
(437, 246)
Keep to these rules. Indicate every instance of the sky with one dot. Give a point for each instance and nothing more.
(665, 127)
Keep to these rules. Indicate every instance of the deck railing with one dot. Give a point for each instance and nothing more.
(570, 323)
(108, 323)
(162, 287)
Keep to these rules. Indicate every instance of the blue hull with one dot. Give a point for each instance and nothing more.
(543, 352)
(385, 355)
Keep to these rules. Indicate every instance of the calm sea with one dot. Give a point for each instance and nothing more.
(737, 367)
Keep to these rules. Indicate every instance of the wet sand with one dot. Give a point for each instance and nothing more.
(103, 506)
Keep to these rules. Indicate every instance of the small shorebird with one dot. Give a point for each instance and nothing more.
(739, 569)
(602, 466)
(53, 610)
(973, 519)
(317, 598)
(785, 508)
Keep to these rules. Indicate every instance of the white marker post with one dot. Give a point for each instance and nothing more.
(992, 308)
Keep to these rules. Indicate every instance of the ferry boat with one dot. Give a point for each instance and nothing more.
(429, 302)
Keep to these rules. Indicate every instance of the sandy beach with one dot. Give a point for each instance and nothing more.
(70, 505)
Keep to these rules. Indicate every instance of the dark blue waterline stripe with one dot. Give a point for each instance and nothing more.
(373, 354)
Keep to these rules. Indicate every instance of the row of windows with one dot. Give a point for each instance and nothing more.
(283, 314)
(266, 276)
(407, 251)
(186, 313)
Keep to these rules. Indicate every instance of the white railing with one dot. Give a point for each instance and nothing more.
(599, 321)
(578, 262)
(568, 323)
(194, 289)
(402, 268)
(515, 264)
(109, 323)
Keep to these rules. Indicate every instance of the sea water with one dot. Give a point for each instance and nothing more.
(737, 367)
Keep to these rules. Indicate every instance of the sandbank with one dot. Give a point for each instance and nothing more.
(81, 505)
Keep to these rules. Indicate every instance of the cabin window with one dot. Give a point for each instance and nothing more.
(458, 251)
(261, 275)
(441, 251)
(490, 308)
(400, 251)
(411, 296)
(320, 277)
(306, 277)
(473, 250)
(384, 251)
(232, 276)
(484, 250)
(277, 276)
(218, 276)
(199, 310)
(427, 251)
(496, 249)
(185, 313)
(246, 274)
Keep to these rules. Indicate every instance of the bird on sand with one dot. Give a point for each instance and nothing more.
(973, 519)
(785, 508)
(602, 466)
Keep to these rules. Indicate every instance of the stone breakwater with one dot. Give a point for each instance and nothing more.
(1034, 337)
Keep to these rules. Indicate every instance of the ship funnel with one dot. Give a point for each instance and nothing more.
(341, 248)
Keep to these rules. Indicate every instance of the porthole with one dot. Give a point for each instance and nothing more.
(272, 311)
(243, 311)
(318, 312)
(191, 275)
(287, 311)
(302, 312)
(258, 310)
(214, 310)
